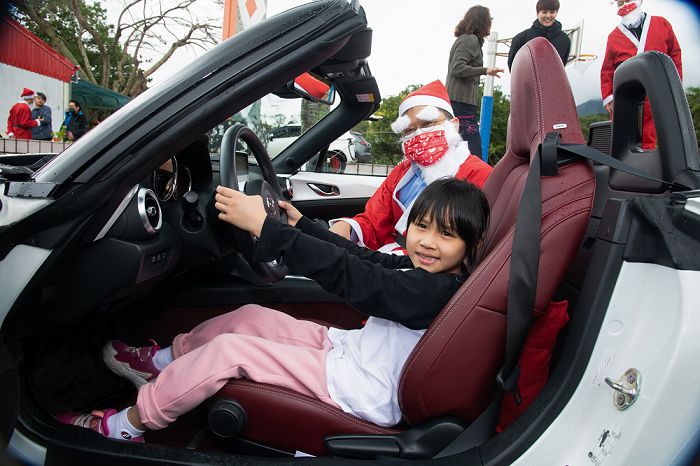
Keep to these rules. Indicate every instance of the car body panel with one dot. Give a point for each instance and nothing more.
(16, 270)
(653, 325)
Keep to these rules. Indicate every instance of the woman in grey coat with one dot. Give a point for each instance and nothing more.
(464, 71)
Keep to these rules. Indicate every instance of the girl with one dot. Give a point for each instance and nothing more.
(464, 69)
(355, 370)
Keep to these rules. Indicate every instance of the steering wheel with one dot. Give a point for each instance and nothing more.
(268, 189)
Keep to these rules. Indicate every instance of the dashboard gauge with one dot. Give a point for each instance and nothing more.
(171, 180)
(165, 180)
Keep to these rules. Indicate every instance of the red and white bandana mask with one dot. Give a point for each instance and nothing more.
(627, 8)
(426, 148)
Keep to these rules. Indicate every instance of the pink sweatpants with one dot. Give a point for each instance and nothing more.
(252, 342)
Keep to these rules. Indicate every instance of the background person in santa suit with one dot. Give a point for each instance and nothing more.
(637, 33)
(433, 148)
(20, 122)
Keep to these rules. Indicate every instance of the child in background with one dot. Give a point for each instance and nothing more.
(357, 370)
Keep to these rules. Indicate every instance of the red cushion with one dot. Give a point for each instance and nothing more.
(534, 361)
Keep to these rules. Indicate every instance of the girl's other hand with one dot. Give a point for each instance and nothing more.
(293, 215)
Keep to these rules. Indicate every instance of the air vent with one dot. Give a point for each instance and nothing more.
(149, 210)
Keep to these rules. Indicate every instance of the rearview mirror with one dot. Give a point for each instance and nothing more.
(313, 88)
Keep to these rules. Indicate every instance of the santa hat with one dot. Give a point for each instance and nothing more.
(27, 94)
(434, 93)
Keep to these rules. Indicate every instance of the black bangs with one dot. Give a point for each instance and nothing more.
(456, 206)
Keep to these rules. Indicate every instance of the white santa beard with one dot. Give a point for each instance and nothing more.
(633, 19)
(449, 164)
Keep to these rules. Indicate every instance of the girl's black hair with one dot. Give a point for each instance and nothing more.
(456, 206)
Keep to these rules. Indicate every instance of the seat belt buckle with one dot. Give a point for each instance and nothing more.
(510, 384)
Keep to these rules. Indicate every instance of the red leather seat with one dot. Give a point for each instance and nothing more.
(452, 370)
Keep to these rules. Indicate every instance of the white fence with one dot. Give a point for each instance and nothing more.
(29, 146)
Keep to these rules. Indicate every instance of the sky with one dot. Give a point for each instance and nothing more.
(412, 38)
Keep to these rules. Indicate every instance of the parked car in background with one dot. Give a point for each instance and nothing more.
(349, 147)
(363, 149)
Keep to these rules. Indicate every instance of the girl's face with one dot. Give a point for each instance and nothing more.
(434, 250)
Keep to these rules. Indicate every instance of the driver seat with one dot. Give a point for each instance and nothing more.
(452, 371)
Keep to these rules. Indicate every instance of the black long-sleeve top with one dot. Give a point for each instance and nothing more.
(372, 282)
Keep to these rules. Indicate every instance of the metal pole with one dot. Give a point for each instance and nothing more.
(487, 99)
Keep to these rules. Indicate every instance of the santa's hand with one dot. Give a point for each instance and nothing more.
(245, 212)
(609, 107)
(293, 214)
(342, 229)
(11, 135)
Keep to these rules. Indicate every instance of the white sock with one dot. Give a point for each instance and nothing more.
(163, 357)
(120, 427)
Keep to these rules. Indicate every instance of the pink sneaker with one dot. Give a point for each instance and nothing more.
(135, 364)
(97, 421)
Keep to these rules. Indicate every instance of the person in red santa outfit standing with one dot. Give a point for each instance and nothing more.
(433, 148)
(637, 33)
(20, 122)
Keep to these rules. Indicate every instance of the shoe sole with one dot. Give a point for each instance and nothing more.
(122, 369)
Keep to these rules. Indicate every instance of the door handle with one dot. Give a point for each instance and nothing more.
(325, 190)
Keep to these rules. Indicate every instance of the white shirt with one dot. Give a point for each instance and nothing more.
(364, 366)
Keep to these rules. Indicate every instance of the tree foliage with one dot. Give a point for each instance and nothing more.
(385, 144)
(693, 96)
(116, 56)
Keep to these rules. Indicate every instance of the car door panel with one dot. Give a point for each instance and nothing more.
(329, 195)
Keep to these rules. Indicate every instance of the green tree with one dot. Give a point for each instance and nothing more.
(113, 56)
(587, 120)
(385, 144)
(693, 96)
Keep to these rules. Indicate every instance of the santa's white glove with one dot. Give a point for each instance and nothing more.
(11, 135)
(38, 121)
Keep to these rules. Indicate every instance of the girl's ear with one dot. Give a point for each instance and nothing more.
(455, 123)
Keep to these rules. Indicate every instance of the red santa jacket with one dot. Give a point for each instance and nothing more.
(377, 223)
(657, 34)
(20, 122)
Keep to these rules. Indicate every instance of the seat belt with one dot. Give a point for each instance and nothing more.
(522, 288)
(522, 282)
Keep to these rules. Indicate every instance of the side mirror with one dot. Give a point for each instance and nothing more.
(313, 88)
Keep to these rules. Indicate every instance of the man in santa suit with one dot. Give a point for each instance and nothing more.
(637, 33)
(430, 141)
(20, 122)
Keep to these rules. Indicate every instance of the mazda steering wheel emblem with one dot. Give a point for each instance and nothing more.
(151, 211)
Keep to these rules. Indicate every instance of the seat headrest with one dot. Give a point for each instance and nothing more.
(540, 99)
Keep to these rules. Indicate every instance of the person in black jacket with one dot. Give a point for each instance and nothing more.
(75, 122)
(355, 370)
(41, 112)
(547, 26)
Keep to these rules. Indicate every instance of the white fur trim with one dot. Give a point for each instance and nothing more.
(607, 100)
(416, 100)
(400, 124)
(392, 248)
(429, 113)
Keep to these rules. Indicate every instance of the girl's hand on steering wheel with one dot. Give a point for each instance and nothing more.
(293, 215)
(238, 209)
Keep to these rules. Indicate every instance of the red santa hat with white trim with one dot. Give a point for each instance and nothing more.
(434, 93)
(27, 94)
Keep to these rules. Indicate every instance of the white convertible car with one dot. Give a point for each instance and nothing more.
(114, 238)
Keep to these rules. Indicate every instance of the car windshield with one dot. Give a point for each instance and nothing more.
(277, 121)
